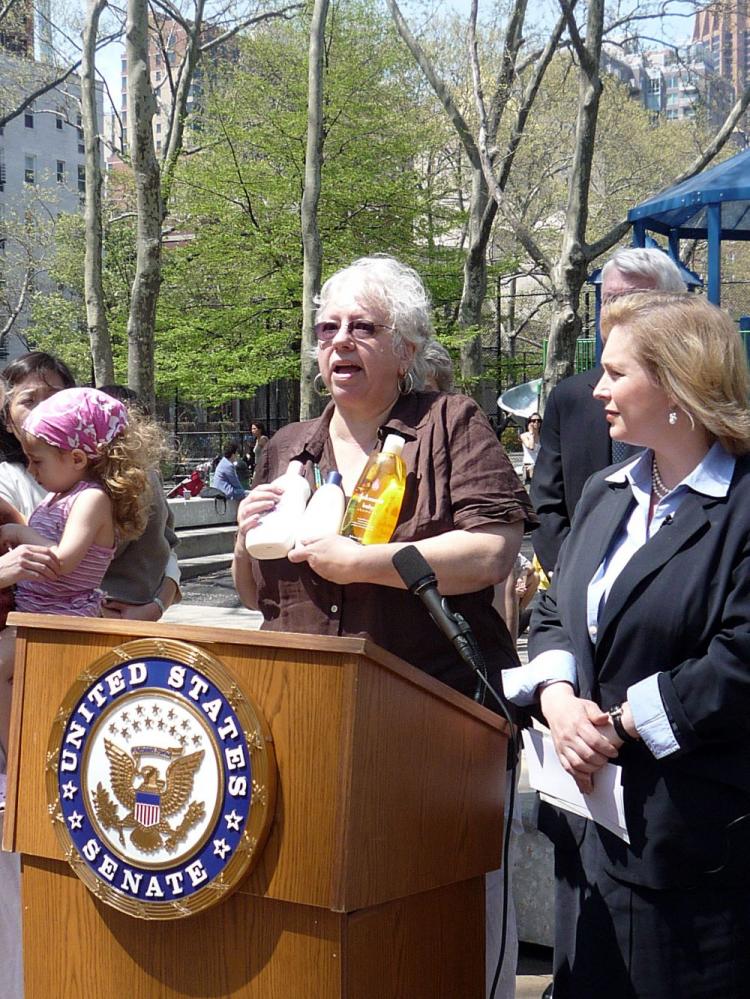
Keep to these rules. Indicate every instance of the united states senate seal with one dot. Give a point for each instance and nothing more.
(161, 779)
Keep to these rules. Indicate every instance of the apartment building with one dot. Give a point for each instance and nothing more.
(42, 174)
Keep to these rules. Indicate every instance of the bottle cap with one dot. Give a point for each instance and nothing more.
(333, 479)
(394, 444)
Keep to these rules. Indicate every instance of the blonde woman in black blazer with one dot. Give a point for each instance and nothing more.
(641, 654)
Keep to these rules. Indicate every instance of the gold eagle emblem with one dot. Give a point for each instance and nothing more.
(133, 785)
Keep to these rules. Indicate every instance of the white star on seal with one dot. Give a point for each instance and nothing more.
(233, 820)
(221, 848)
(69, 790)
(75, 820)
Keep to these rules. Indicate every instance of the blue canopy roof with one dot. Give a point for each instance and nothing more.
(683, 209)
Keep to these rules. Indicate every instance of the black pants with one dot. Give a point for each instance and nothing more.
(620, 941)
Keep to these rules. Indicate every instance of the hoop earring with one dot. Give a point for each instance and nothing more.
(319, 387)
(406, 383)
(672, 418)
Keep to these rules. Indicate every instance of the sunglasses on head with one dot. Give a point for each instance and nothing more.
(358, 329)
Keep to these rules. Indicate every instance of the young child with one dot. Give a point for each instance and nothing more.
(94, 459)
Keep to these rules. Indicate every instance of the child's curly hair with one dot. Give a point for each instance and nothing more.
(125, 469)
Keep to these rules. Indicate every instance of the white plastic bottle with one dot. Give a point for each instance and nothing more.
(275, 534)
(324, 512)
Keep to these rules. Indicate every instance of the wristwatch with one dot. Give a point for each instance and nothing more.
(615, 713)
(160, 604)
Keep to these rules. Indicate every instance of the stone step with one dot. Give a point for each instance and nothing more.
(201, 566)
(197, 542)
(202, 512)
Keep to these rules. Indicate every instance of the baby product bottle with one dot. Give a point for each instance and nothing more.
(324, 512)
(274, 536)
(376, 501)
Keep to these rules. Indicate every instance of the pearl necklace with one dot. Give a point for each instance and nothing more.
(657, 483)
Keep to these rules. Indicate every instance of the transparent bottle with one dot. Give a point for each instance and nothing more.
(372, 513)
(275, 535)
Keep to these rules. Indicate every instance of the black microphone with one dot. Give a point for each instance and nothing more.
(417, 574)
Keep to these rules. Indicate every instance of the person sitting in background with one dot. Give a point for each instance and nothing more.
(242, 468)
(143, 579)
(225, 478)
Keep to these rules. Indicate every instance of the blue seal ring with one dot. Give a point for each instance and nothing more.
(164, 779)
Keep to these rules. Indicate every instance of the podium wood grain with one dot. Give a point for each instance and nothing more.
(389, 810)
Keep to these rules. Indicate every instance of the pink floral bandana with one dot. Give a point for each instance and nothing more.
(82, 418)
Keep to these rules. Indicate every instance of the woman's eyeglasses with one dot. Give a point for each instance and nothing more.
(358, 329)
(535, 421)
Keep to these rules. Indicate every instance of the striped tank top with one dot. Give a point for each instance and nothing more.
(78, 593)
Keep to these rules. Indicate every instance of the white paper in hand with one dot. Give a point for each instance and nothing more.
(605, 803)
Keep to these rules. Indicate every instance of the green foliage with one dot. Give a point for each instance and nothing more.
(230, 310)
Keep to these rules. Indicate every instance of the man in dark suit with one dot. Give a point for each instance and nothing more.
(575, 440)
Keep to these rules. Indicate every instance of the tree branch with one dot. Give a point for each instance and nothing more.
(439, 87)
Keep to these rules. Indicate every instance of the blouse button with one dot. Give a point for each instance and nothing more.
(334, 608)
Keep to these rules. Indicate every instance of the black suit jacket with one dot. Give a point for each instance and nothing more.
(575, 443)
(680, 608)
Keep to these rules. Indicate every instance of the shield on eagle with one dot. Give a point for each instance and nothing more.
(147, 808)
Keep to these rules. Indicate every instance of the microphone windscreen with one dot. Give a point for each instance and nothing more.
(412, 566)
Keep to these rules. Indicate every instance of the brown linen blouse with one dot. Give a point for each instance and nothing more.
(458, 477)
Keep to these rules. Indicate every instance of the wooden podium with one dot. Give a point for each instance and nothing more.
(370, 886)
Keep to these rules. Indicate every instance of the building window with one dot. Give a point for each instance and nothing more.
(124, 64)
(59, 121)
(654, 86)
(29, 169)
(61, 171)
(124, 83)
(28, 116)
(158, 146)
(81, 178)
(2, 169)
(124, 138)
(158, 128)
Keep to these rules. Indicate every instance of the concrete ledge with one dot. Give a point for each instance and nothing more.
(192, 567)
(201, 541)
(202, 512)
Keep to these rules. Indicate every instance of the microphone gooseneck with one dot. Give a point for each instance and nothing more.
(420, 579)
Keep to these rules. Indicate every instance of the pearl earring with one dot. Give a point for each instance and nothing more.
(672, 418)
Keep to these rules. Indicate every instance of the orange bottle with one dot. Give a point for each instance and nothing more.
(372, 513)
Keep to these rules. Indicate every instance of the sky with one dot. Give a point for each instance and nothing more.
(675, 29)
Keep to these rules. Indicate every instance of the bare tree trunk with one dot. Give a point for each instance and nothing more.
(312, 252)
(96, 316)
(17, 309)
(569, 273)
(145, 291)
(482, 212)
